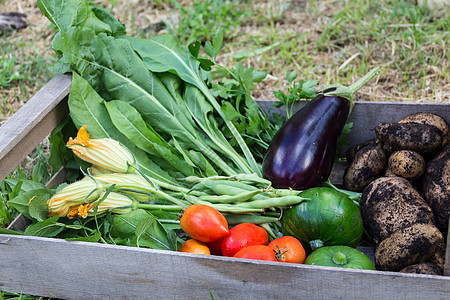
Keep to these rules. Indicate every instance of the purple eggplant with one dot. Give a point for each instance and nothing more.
(301, 154)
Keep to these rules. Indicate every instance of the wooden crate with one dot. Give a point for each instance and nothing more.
(80, 270)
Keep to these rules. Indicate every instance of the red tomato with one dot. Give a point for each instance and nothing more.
(243, 235)
(194, 246)
(204, 223)
(214, 247)
(288, 249)
(261, 252)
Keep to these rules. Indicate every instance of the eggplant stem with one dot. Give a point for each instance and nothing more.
(363, 80)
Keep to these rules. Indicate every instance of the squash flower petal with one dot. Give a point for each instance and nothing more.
(80, 192)
(106, 153)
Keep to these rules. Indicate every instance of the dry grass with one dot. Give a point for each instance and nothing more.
(334, 41)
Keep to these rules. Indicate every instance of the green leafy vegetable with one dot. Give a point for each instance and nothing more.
(303, 90)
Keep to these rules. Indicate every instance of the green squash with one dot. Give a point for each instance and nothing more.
(327, 218)
(341, 257)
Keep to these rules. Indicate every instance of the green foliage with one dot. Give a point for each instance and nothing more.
(303, 90)
(201, 19)
(9, 72)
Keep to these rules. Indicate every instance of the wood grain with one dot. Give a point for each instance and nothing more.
(80, 270)
(447, 253)
(32, 123)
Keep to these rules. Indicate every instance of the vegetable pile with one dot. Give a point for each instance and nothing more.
(403, 175)
(170, 155)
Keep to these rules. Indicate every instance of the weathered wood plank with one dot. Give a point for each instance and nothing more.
(447, 254)
(79, 270)
(29, 126)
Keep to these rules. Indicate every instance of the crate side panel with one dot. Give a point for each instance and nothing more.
(74, 270)
(33, 122)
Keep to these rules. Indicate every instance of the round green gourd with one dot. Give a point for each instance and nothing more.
(327, 218)
(341, 257)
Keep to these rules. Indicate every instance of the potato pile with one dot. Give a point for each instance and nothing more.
(404, 176)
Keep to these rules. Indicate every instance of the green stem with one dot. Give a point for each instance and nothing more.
(338, 90)
(339, 258)
(247, 153)
(363, 80)
(249, 218)
(159, 206)
(316, 244)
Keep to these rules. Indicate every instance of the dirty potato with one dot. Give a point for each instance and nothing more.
(408, 246)
(368, 164)
(436, 187)
(407, 164)
(389, 204)
(423, 268)
(438, 257)
(430, 119)
(421, 138)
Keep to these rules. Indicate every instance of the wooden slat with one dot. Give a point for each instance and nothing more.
(447, 253)
(80, 270)
(32, 123)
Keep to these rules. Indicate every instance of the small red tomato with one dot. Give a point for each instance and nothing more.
(243, 235)
(261, 252)
(194, 246)
(288, 249)
(204, 223)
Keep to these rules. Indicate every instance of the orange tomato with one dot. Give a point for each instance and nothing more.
(288, 249)
(261, 252)
(194, 246)
(204, 223)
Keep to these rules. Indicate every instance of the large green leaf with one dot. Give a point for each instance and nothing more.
(65, 14)
(165, 53)
(130, 123)
(87, 108)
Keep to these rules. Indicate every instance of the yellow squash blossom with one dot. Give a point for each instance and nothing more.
(107, 154)
(114, 202)
(79, 192)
